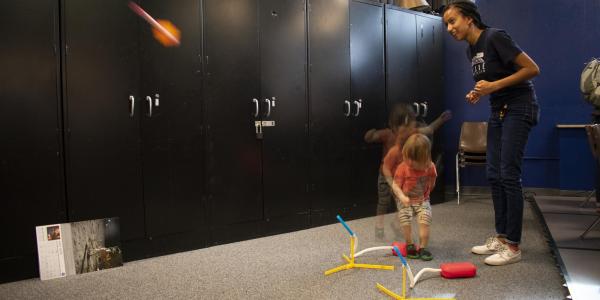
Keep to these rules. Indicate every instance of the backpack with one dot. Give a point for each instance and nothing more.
(590, 82)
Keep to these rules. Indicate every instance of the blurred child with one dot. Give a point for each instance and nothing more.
(403, 123)
(401, 115)
(414, 180)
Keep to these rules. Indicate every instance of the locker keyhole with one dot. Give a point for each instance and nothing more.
(274, 13)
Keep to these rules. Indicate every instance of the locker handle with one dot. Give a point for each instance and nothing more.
(418, 110)
(425, 108)
(347, 108)
(358, 106)
(131, 106)
(268, 107)
(255, 107)
(149, 113)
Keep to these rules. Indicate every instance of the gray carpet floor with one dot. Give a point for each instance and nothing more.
(291, 266)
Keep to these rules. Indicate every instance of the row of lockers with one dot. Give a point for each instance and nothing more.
(252, 126)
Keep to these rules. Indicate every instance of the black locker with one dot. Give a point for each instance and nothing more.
(231, 93)
(430, 32)
(283, 90)
(31, 173)
(102, 114)
(415, 72)
(347, 98)
(368, 88)
(429, 48)
(330, 121)
(256, 114)
(401, 57)
(172, 137)
(283, 82)
(134, 122)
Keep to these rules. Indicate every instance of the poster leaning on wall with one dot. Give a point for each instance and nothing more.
(78, 247)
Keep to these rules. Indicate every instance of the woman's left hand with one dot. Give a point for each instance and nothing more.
(484, 87)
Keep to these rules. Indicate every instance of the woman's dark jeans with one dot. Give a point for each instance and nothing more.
(506, 139)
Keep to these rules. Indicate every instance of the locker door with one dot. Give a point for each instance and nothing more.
(172, 136)
(283, 87)
(430, 47)
(430, 32)
(368, 88)
(102, 139)
(31, 175)
(232, 82)
(330, 123)
(401, 57)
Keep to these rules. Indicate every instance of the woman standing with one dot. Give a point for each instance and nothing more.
(503, 71)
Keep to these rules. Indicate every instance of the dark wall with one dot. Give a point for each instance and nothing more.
(560, 36)
(86, 137)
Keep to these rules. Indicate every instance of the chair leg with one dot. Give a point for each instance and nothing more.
(457, 182)
(582, 236)
(589, 196)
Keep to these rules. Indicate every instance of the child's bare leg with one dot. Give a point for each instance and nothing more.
(384, 201)
(424, 217)
(404, 221)
(423, 235)
(379, 220)
(407, 231)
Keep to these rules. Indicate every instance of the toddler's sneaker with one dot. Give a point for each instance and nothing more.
(425, 255)
(411, 251)
(379, 234)
(504, 256)
(492, 245)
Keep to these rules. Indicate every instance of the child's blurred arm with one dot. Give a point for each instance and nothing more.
(398, 182)
(373, 136)
(428, 130)
(432, 177)
(389, 161)
(431, 182)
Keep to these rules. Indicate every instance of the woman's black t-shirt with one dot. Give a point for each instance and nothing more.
(492, 58)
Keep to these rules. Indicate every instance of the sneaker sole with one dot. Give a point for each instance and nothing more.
(489, 252)
(503, 263)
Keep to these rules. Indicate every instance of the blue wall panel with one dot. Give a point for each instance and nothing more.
(577, 165)
(560, 36)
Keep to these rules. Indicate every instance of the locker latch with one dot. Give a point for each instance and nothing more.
(258, 129)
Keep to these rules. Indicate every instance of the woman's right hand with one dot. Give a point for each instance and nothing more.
(473, 97)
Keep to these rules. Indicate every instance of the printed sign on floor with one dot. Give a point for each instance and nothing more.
(78, 247)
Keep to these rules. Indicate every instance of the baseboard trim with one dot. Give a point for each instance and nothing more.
(485, 190)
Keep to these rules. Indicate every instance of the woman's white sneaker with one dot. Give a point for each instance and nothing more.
(491, 246)
(504, 256)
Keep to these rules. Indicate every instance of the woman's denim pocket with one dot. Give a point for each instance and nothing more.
(528, 111)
